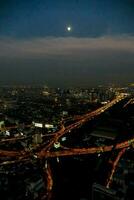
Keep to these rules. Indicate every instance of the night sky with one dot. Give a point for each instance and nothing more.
(36, 48)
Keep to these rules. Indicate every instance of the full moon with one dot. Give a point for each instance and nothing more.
(69, 28)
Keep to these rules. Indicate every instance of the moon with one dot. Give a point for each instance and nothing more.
(69, 28)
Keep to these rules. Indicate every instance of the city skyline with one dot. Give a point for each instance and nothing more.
(35, 46)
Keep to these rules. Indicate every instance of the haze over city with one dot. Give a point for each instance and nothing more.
(36, 45)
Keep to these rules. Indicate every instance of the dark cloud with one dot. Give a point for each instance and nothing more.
(67, 61)
(63, 46)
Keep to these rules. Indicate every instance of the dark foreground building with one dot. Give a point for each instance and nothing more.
(100, 192)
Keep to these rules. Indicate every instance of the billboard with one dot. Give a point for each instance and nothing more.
(40, 125)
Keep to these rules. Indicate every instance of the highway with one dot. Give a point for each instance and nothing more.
(81, 120)
(68, 151)
(45, 151)
(82, 151)
(114, 166)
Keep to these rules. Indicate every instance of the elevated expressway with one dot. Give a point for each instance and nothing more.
(46, 152)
